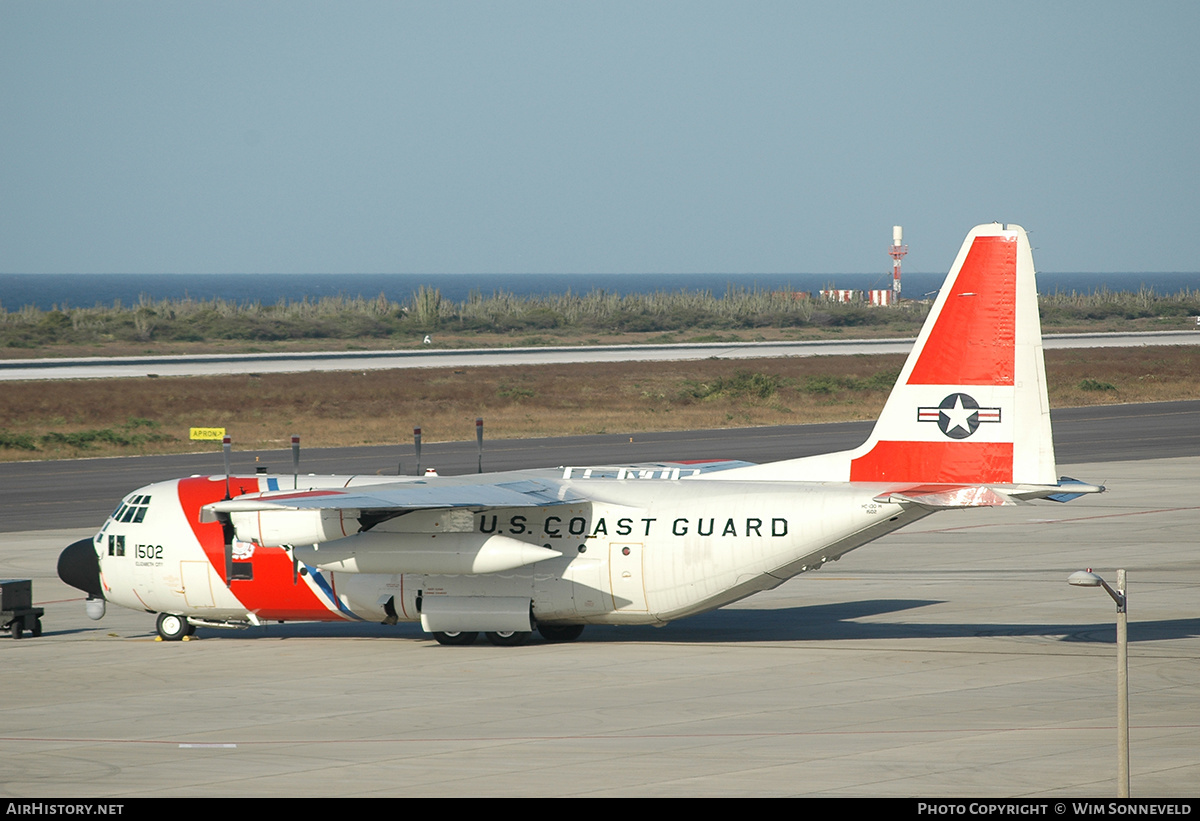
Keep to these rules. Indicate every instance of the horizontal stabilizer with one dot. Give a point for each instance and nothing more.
(938, 497)
(1076, 489)
(942, 496)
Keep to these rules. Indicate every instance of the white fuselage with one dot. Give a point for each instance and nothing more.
(638, 550)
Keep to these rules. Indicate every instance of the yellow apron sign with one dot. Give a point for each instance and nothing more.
(207, 434)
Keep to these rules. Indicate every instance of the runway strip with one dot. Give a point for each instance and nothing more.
(207, 365)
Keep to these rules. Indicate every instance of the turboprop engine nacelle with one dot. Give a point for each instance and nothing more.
(426, 553)
(280, 527)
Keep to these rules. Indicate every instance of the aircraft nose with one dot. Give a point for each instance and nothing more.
(79, 567)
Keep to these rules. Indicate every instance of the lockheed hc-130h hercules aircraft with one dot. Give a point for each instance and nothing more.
(967, 425)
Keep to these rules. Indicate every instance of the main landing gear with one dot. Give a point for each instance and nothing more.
(560, 632)
(508, 638)
(513, 638)
(171, 627)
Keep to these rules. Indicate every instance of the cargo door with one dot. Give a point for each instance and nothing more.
(197, 583)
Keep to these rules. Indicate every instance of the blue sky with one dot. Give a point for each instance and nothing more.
(568, 137)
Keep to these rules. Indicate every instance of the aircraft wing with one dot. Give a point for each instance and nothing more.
(401, 496)
(508, 491)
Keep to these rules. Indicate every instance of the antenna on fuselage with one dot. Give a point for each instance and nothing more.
(479, 439)
(417, 445)
(295, 486)
(226, 524)
(295, 463)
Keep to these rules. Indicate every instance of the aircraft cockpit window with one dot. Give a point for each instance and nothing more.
(134, 510)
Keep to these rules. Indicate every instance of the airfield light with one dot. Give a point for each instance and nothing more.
(417, 447)
(226, 447)
(479, 439)
(1086, 578)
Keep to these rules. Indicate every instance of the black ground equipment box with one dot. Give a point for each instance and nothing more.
(17, 613)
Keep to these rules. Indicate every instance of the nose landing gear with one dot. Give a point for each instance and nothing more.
(171, 627)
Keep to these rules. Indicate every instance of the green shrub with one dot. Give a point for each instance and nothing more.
(742, 384)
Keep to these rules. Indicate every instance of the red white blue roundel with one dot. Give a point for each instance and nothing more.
(958, 415)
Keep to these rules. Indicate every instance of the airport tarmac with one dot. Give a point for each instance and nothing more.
(949, 659)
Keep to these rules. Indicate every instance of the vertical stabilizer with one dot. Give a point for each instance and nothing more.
(970, 405)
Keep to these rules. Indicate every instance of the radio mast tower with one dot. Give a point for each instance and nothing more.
(897, 252)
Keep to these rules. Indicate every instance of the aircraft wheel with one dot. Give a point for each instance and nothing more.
(508, 638)
(172, 627)
(560, 632)
(456, 639)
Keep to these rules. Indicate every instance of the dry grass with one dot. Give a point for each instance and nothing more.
(482, 339)
(353, 408)
(1146, 374)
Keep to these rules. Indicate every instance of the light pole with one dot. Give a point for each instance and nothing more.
(1086, 578)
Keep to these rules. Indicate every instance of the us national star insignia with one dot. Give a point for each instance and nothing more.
(958, 415)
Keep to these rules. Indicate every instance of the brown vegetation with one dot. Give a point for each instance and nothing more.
(61, 419)
(503, 320)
